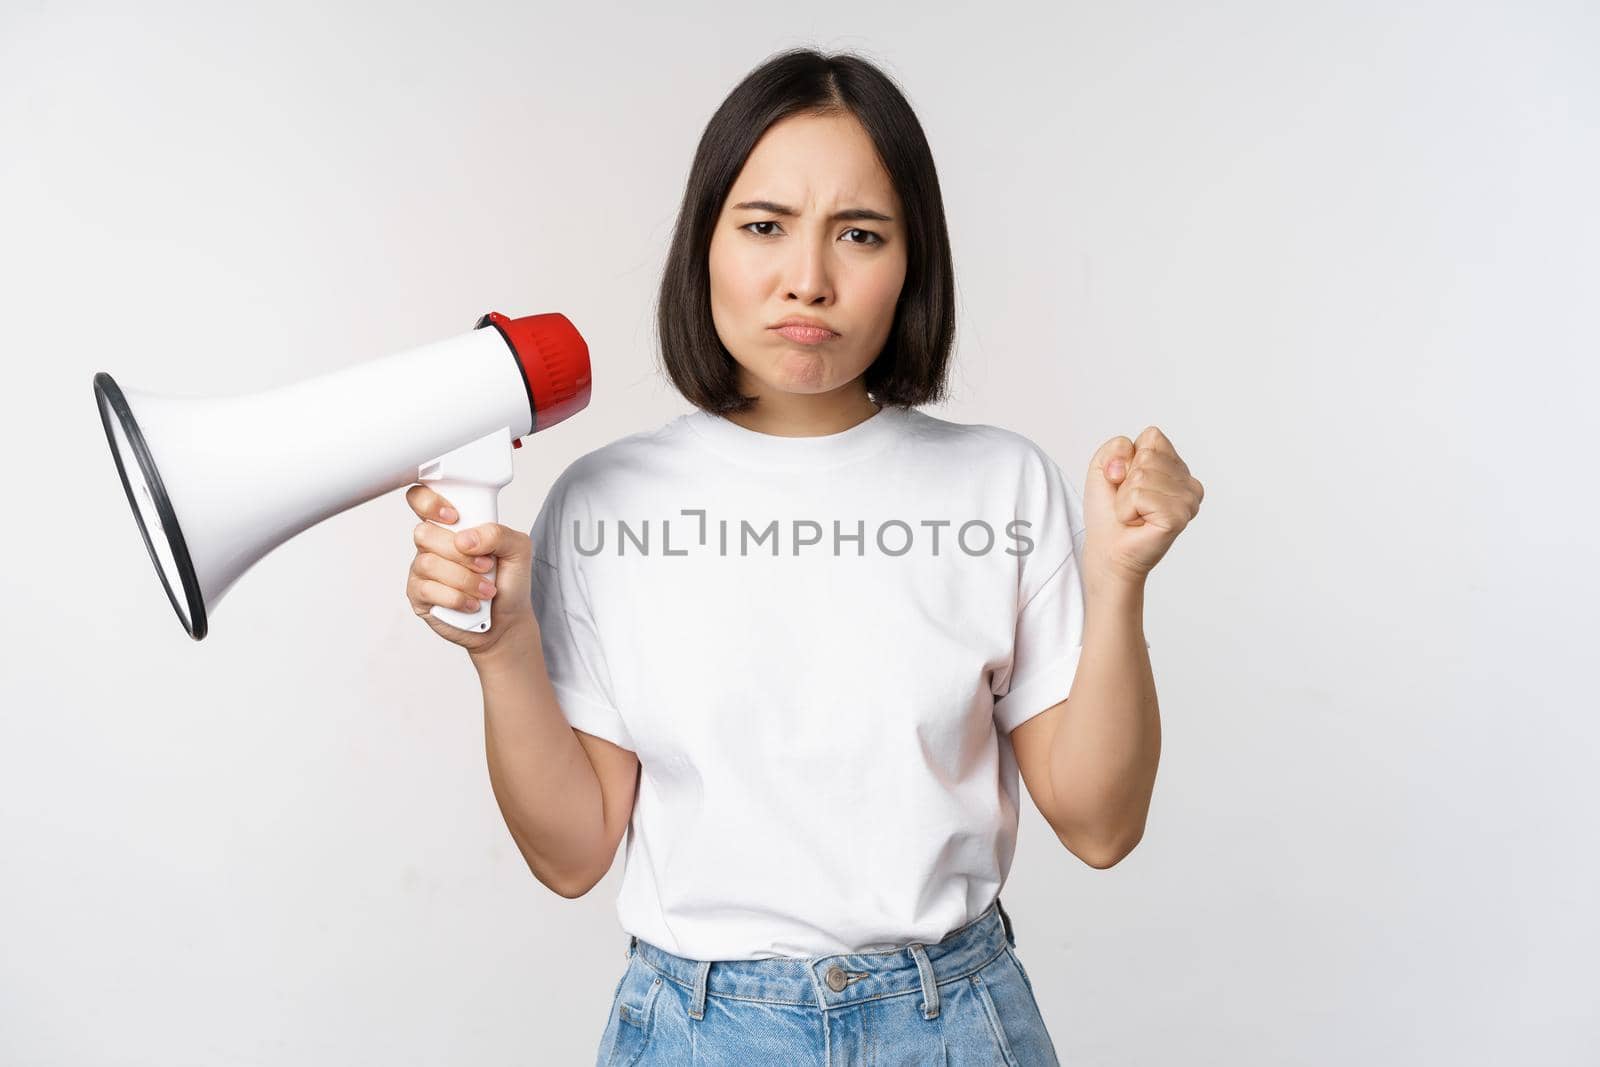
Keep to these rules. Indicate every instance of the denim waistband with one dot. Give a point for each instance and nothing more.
(843, 978)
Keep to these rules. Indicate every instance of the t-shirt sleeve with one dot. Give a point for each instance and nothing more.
(573, 654)
(1050, 617)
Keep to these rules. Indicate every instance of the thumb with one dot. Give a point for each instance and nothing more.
(1107, 468)
(492, 539)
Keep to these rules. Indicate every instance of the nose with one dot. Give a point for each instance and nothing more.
(809, 273)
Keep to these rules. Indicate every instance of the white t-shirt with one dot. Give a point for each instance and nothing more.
(821, 722)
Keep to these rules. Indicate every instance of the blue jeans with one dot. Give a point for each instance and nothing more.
(965, 1000)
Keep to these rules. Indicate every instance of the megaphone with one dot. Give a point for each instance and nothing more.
(217, 482)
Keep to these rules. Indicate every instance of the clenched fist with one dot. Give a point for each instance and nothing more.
(1137, 499)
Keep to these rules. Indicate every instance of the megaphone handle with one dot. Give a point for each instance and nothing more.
(477, 504)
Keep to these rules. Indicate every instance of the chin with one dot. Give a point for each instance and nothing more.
(802, 385)
(800, 371)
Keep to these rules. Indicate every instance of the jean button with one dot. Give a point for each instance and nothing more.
(835, 978)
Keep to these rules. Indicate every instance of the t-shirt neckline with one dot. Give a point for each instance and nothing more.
(796, 453)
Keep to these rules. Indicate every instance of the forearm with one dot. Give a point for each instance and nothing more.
(1104, 754)
(542, 779)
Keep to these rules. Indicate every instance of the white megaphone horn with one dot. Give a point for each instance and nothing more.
(217, 482)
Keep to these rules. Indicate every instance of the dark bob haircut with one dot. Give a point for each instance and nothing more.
(911, 367)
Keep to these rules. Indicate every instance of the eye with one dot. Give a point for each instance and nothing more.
(876, 240)
(747, 226)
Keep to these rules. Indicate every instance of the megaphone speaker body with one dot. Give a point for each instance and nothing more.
(217, 482)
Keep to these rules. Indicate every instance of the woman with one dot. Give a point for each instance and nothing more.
(798, 642)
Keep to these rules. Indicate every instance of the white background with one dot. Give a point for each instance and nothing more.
(1342, 254)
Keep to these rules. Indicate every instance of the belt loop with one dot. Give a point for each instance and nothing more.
(697, 1000)
(930, 986)
(1006, 919)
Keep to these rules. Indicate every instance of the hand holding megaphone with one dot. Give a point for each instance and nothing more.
(445, 576)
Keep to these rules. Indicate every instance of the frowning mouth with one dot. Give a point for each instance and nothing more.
(806, 335)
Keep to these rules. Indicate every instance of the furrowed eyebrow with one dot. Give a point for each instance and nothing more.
(849, 213)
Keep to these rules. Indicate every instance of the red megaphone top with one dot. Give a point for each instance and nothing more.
(554, 360)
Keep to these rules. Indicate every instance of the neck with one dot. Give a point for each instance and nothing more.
(806, 414)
